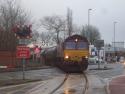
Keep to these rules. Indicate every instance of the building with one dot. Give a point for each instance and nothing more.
(116, 49)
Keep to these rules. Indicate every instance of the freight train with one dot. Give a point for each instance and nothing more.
(71, 55)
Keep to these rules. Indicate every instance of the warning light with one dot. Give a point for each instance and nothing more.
(22, 31)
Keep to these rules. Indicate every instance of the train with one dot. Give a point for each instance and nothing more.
(70, 55)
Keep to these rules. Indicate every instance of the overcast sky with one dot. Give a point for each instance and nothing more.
(103, 14)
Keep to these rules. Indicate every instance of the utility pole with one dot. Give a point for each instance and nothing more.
(69, 21)
(114, 23)
(88, 33)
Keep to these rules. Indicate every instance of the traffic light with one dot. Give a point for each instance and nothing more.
(22, 31)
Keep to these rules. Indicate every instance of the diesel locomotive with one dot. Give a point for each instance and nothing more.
(71, 55)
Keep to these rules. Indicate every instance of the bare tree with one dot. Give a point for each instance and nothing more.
(54, 24)
(75, 30)
(92, 35)
(35, 35)
(11, 14)
(46, 37)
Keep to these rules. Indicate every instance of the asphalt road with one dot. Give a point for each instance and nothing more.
(74, 85)
(42, 74)
(51, 78)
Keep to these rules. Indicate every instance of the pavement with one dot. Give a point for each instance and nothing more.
(117, 85)
(20, 69)
(16, 77)
(114, 78)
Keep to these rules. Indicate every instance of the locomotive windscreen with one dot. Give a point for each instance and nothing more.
(76, 45)
(82, 45)
(70, 45)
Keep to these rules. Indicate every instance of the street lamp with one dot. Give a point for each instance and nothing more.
(114, 23)
(89, 24)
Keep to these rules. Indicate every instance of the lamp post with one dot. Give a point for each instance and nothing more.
(89, 24)
(114, 23)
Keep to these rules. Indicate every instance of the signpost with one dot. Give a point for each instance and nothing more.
(98, 45)
(23, 52)
(23, 33)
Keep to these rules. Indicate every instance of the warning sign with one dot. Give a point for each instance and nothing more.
(23, 52)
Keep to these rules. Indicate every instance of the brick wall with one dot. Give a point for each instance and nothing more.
(8, 58)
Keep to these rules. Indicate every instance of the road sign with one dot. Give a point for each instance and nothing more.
(99, 44)
(23, 52)
(24, 41)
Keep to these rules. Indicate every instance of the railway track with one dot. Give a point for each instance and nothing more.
(61, 84)
(85, 87)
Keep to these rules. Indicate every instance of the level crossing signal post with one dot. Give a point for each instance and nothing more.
(23, 34)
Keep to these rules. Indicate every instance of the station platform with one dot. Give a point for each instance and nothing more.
(117, 85)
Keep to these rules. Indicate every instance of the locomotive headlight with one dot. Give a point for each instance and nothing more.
(124, 63)
(86, 57)
(66, 56)
(76, 40)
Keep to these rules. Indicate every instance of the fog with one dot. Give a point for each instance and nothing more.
(102, 15)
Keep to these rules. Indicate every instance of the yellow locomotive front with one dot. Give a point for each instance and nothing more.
(76, 50)
(74, 54)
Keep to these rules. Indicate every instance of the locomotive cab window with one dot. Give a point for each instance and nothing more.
(75, 45)
(81, 45)
(70, 45)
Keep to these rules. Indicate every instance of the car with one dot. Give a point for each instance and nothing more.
(92, 59)
(122, 60)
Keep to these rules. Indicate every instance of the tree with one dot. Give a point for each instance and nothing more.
(46, 37)
(92, 33)
(11, 14)
(54, 23)
(35, 35)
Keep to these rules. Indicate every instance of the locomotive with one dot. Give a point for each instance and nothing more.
(71, 55)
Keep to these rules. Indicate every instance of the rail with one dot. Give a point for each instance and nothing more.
(66, 77)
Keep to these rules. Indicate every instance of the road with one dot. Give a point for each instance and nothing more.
(114, 70)
(42, 74)
(74, 85)
(51, 78)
